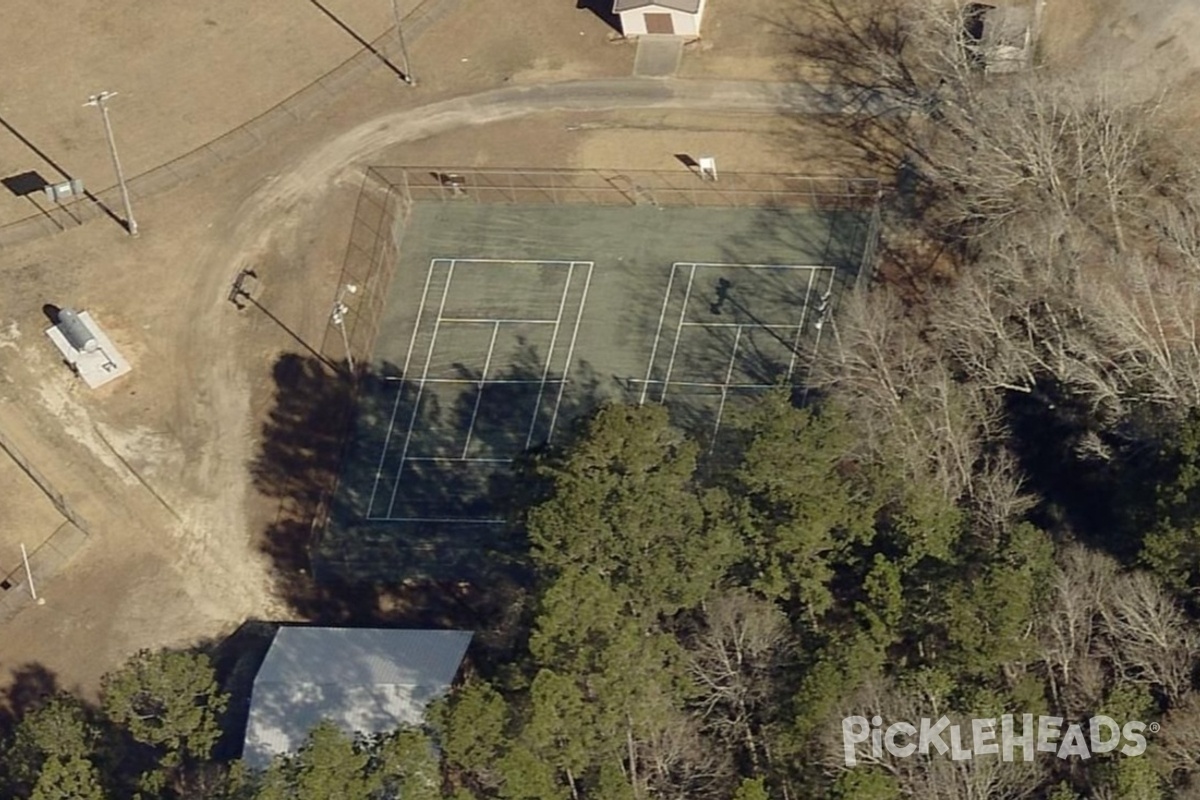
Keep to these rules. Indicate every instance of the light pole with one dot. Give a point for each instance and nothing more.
(408, 78)
(98, 100)
(339, 319)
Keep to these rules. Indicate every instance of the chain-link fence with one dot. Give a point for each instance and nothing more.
(630, 187)
(371, 259)
(388, 194)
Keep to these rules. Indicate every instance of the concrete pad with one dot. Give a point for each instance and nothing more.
(657, 56)
(97, 366)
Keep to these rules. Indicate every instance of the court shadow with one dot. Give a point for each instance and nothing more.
(330, 451)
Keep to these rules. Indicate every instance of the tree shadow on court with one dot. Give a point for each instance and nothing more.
(329, 455)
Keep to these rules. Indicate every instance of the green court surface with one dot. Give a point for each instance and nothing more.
(505, 323)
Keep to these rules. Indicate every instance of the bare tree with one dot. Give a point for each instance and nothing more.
(1145, 318)
(914, 405)
(1068, 629)
(680, 764)
(1149, 639)
(1179, 741)
(936, 776)
(734, 660)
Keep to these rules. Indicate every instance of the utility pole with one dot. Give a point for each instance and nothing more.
(99, 100)
(407, 70)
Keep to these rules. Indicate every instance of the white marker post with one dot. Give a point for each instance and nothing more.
(29, 576)
(408, 77)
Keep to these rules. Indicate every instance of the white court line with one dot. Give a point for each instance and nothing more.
(657, 335)
(785, 326)
(800, 327)
(515, 261)
(587, 284)
(412, 420)
(486, 321)
(725, 389)
(400, 387)
(453, 460)
(487, 363)
(679, 330)
(537, 406)
(494, 382)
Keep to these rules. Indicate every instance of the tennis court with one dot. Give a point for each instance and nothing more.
(505, 323)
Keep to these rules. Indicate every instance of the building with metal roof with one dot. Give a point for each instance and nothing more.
(366, 680)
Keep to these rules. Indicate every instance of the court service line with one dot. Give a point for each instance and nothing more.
(387, 441)
(537, 406)
(473, 381)
(487, 364)
(800, 328)
(486, 321)
(657, 335)
(412, 419)
(725, 388)
(587, 285)
(678, 331)
(453, 460)
(514, 261)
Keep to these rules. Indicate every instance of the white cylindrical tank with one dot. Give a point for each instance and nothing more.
(76, 331)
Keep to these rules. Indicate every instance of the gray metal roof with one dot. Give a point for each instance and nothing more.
(369, 680)
(690, 6)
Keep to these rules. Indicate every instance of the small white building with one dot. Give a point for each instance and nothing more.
(664, 17)
(365, 680)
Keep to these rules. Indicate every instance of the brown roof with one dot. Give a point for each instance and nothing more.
(690, 6)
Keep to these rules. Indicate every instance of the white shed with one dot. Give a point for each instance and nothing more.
(669, 17)
(365, 680)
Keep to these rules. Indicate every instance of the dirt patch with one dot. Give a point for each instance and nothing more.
(742, 39)
(27, 517)
(1139, 45)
